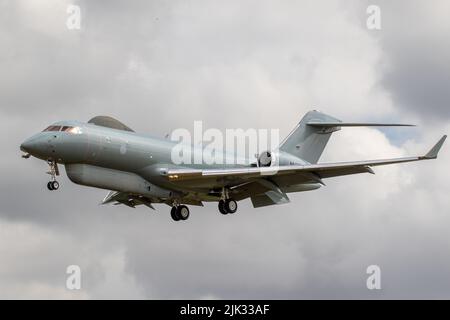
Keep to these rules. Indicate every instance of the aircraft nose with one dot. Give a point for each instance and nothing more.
(31, 145)
(26, 146)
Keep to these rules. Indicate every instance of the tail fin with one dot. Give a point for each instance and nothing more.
(309, 138)
(308, 142)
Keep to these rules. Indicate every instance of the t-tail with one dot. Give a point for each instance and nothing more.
(309, 138)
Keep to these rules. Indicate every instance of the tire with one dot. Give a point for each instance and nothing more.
(174, 214)
(49, 186)
(222, 207)
(55, 185)
(230, 206)
(183, 212)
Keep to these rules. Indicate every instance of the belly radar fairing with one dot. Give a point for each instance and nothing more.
(137, 169)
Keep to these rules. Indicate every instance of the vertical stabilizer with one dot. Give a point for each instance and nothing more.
(308, 142)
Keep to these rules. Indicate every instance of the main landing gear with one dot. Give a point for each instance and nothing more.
(53, 184)
(227, 206)
(179, 212)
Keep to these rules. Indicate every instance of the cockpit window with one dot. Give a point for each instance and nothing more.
(68, 129)
(53, 128)
(72, 130)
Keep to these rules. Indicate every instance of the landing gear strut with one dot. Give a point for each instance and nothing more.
(179, 212)
(53, 184)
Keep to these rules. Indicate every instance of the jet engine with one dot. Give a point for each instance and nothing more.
(277, 158)
(265, 159)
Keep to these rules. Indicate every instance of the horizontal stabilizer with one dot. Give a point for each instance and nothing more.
(355, 124)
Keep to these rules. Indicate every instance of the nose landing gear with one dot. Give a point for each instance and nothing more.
(54, 171)
(53, 185)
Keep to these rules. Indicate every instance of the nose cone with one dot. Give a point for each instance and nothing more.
(32, 145)
(26, 146)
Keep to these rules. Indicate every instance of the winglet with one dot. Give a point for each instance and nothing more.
(433, 153)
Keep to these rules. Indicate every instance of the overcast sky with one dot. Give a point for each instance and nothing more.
(161, 65)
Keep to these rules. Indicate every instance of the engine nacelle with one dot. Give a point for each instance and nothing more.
(265, 159)
(278, 158)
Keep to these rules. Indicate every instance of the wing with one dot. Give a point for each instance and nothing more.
(314, 172)
(133, 200)
(126, 199)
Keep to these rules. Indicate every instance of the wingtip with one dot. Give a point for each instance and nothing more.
(433, 153)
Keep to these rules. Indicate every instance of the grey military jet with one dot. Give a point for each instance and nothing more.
(105, 153)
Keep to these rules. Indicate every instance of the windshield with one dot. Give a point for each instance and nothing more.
(68, 129)
(53, 128)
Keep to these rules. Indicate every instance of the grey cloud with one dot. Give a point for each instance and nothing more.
(157, 66)
(416, 66)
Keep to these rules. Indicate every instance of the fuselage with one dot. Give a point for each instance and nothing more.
(77, 142)
(74, 143)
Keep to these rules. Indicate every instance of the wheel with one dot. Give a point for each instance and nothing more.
(230, 206)
(55, 185)
(49, 186)
(222, 207)
(173, 214)
(183, 212)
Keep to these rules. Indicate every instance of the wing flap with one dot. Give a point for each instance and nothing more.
(267, 199)
(127, 199)
(355, 124)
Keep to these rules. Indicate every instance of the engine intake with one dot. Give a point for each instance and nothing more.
(265, 159)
